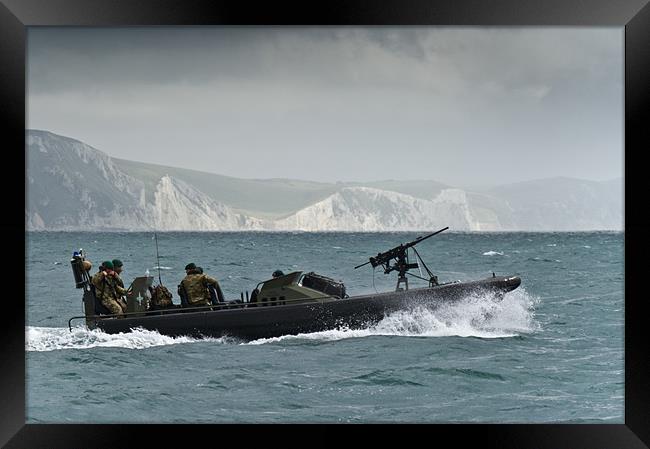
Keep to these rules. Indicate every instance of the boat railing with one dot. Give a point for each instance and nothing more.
(209, 308)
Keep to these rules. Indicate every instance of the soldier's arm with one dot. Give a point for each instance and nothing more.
(120, 290)
(211, 281)
(98, 280)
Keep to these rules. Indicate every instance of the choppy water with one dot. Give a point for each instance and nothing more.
(551, 351)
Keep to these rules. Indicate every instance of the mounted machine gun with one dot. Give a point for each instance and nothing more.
(400, 255)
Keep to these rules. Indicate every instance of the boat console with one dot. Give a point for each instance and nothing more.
(291, 288)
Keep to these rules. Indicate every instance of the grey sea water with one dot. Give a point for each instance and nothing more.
(551, 351)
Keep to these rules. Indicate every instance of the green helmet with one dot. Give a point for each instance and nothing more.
(117, 263)
(107, 264)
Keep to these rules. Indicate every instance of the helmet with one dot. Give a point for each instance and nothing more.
(190, 266)
(107, 264)
(277, 273)
(87, 265)
(117, 263)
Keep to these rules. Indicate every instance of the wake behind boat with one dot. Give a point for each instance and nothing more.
(294, 303)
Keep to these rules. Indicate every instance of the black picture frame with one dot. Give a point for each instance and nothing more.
(634, 15)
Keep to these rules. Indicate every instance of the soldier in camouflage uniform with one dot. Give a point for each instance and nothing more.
(117, 270)
(195, 285)
(108, 290)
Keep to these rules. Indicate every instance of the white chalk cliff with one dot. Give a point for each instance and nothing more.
(72, 186)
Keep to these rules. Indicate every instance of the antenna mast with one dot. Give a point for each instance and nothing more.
(157, 256)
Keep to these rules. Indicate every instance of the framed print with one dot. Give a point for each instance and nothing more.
(271, 155)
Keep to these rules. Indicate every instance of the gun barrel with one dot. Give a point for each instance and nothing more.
(361, 265)
(419, 239)
(398, 251)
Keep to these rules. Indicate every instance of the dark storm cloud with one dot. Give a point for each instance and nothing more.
(71, 58)
(459, 100)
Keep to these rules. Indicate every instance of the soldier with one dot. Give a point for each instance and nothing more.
(194, 287)
(117, 270)
(107, 289)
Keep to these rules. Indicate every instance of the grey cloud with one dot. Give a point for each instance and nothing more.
(69, 58)
(367, 96)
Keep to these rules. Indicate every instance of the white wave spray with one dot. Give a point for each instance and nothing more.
(493, 253)
(474, 316)
(54, 338)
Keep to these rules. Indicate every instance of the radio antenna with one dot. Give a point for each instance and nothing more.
(155, 234)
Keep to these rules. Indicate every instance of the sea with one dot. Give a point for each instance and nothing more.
(552, 351)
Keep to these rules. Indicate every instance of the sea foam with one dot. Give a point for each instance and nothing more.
(56, 338)
(474, 316)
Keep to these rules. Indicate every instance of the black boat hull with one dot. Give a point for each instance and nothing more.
(249, 322)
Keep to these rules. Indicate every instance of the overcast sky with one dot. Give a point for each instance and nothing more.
(463, 106)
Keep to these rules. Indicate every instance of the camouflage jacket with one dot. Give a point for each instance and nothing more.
(119, 284)
(107, 286)
(196, 287)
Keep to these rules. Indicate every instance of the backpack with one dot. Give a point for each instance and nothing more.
(161, 297)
